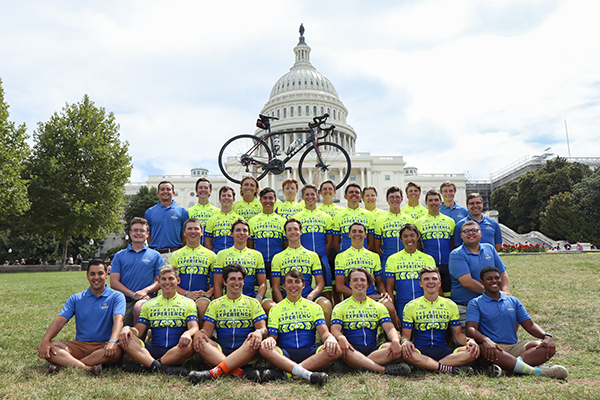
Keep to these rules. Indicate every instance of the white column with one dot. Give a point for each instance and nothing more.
(362, 177)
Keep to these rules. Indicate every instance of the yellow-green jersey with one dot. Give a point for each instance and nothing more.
(234, 319)
(287, 209)
(218, 228)
(437, 231)
(250, 259)
(203, 213)
(430, 320)
(195, 266)
(295, 323)
(387, 230)
(358, 258)
(266, 231)
(305, 261)
(331, 209)
(415, 212)
(316, 225)
(360, 320)
(247, 210)
(168, 318)
(376, 213)
(343, 221)
(403, 268)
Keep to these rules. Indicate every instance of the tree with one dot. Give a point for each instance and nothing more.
(14, 150)
(501, 203)
(587, 195)
(78, 171)
(563, 218)
(138, 204)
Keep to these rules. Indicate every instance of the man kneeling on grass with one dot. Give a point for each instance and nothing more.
(354, 324)
(429, 316)
(173, 321)
(492, 320)
(241, 327)
(293, 322)
(99, 313)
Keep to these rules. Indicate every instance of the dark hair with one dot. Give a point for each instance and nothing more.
(487, 269)
(169, 182)
(370, 279)
(233, 267)
(410, 227)
(97, 261)
(239, 221)
(393, 189)
(266, 190)
(292, 220)
(203, 180)
(191, 221)
(356, 185)
(294, 273)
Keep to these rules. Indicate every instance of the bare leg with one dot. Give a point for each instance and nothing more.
(460, 357)
(138, 353)
(326, 306)
(201, 306)
(267, 305)
(63, 356)
(213, 356)
(177, 355)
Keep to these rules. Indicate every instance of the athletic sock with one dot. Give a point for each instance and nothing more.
(237, 372)
(301, 372)
(523, 368)
(444, 368)
(219, 370)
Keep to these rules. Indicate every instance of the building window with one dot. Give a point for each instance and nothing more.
(293, 83)
(280, 178)
(332, 177)
(322, 111)
(305, 82)
(307, 111)
(334, 115)
(277, 113)
(280, 195)
(288, 84)
(192, 194)
(311, 83)
(285, 113)
(299, 111)
(387, 177)
(291, 111)
(328, 111)
(314, 111)
(352, 177)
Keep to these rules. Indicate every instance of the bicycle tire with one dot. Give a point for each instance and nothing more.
(240, 156)
(333, 155)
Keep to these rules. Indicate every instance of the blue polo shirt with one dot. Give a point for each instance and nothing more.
(94, 314)
(138, 269)
(456, 213)
(166, 225)
(497, 319)
(490, 231)
(463, 261)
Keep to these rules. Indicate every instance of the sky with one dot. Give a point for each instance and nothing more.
(461, 86)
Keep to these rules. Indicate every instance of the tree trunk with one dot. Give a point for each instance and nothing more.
(65, 241)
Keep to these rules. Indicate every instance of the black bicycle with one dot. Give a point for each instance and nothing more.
(250, 155)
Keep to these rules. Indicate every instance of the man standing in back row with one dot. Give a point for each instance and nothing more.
(490, 229)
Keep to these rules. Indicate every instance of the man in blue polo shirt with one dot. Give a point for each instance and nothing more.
(467, 261)
(493, 319)
(490, 229)
(98, 315)
(135, 269)
(166, 221)
(449, 208)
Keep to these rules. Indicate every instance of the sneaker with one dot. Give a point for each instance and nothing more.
(96, 370)
(54, 368)
(463, 370)
(494, 371)
(400, 369)
(251, 374)
(198, 376)
(319, 378)
(273, 375)
(555, 372)
(175, 370)
(134, 368)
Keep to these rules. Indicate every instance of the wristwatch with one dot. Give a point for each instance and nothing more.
(546, 334)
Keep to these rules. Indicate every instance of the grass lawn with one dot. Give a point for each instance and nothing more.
(560, 292)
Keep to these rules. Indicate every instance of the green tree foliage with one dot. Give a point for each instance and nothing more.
(587, 194)
(14, 150)
(564, 219)
(78, 171)
(138, 204)
(501, 200)
(535, 188)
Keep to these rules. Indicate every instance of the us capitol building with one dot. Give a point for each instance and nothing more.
(296, 98)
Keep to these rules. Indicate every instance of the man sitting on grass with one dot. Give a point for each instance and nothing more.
(430, 316)
(99, 313)
(173, 321)
(354, 324)
(293, 323)
(241, 327)
(492, 320)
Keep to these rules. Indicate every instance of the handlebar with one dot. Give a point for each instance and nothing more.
(318, 121)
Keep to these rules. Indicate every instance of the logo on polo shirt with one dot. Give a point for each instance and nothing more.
(488, 256)
(488, 227)
(104, 306)
(174, 216)
(510, 307)
(146, 259)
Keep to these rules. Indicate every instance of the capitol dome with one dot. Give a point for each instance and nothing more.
(303, 93)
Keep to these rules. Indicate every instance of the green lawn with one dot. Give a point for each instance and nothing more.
(561, 293)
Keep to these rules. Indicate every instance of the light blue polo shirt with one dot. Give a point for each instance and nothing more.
(490, 231)
(166, 225)
(463, 261)
(497, 319)
(138, 269)
(456, 213)
(94, 315)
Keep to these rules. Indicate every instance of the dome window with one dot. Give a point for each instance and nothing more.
(277, 113)
(334, 115)
(322, 111)
(328, 111)
(314, 111)
(285, 113)
(299, 111)
(291, 111)
(307, 111)
(317, 83)
(305, 82)
(293, 83)
(311, 82)
(288, 85)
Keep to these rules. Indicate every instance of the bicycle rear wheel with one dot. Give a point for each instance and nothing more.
(242, 156)
(335, 166)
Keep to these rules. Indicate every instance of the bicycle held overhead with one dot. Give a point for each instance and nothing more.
(246, 154)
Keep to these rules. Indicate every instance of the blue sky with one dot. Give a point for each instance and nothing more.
(453, 86)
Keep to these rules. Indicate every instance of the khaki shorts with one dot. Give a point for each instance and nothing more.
(81, 350)
(516, 349)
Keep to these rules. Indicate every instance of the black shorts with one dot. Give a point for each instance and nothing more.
(437, 353)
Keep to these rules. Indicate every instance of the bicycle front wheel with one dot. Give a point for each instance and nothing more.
(244, 155)
(334, 164)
